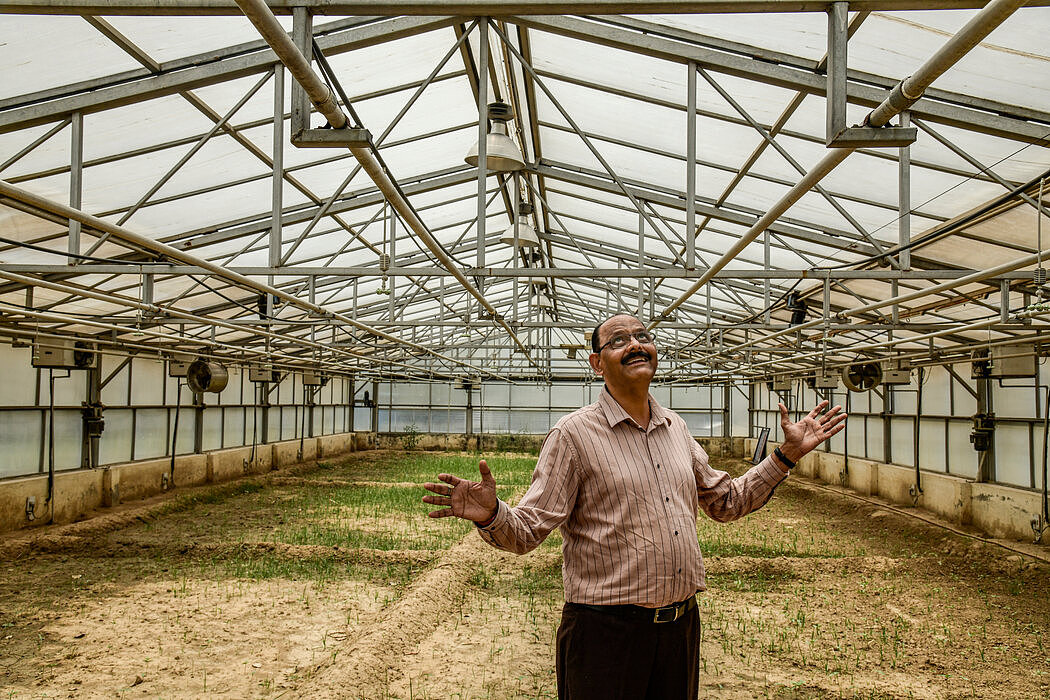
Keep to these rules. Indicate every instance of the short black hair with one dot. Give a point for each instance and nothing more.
(595, 345)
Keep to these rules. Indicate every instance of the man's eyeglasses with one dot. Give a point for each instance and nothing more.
(617, 342)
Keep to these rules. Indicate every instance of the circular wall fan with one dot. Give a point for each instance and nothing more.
(202, 376)
(863, 376)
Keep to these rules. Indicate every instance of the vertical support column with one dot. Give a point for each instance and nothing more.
(198, 423)
(641, 261)
(838, 18)
(727, 416)
(353, 404)
(887, 427)
(76, 180)
(1004, 301)
(91, 419)
(264, 404)
(393, 260)
(277, 197)
(483, 132)
(690, 172)
(302, 35)
(904, 198)
(751, 398)
(986, 465)
(766, 286)
(470, 411)
(311, 401)
(375, 406)
(147, 288)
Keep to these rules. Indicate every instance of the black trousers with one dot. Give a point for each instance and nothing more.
(606, 656)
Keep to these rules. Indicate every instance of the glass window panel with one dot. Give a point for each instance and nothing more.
(233, 427)
(151, 433)
(931, 445)
(21, 435)
(115, 445)
(1012, 454)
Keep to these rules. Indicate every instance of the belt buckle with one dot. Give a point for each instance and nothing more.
(675, 610)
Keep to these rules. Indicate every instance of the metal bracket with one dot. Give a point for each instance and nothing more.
(870, 136)
(837, 134)
(334, 138)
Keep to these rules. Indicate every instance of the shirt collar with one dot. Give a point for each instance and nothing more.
(615, 414)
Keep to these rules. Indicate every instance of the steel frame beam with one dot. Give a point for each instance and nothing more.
(792, 78)
(471, 7)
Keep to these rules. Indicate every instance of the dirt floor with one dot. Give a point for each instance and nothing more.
(328, 581)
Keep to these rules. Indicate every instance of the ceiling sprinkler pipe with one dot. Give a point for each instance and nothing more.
(271, 30)
(120, 233)
(184, 315)
(900, 98)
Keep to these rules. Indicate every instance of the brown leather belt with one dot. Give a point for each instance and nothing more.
(668, 613)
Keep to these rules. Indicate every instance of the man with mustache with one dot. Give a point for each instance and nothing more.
(623, 479)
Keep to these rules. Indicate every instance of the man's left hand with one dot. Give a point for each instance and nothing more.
(814, 428)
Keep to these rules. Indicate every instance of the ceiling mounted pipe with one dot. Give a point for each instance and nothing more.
(901, 98)
(120, 233)
(321, 96)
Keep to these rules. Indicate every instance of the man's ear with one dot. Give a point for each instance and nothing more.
(596, 363)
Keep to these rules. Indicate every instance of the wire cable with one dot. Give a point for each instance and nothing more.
(78, 256)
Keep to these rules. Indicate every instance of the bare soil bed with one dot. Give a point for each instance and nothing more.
(330, 582)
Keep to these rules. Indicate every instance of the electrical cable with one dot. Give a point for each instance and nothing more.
(78, 256)
(211, 289)
(51, 446)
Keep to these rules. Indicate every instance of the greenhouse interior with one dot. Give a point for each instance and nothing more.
(267, 266)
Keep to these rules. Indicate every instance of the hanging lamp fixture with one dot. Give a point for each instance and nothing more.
(501, 153)
(527, 237)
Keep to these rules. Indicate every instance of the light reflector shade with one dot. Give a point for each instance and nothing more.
(501, 153)
(527, 237)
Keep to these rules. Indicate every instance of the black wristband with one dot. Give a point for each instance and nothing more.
(780, 455)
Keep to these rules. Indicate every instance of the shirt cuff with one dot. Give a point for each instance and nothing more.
(498, 520)
(770, 472)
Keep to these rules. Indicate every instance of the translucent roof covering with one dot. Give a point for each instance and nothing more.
(152, 198)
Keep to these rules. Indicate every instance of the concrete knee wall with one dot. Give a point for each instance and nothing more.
(999, 511)
(80, 491)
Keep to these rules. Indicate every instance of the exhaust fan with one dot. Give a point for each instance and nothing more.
(202, 376)
(863, 376)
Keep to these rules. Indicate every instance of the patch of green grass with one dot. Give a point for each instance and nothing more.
(533, 580)
(217, 494)
(422, 467)
(750, 582)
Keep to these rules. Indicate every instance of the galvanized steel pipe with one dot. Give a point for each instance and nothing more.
(903, 96)
(271, 30)
(119, 232)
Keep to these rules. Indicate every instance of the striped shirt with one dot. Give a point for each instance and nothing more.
(625, 499)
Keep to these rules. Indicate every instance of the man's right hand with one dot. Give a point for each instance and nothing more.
(470, 500)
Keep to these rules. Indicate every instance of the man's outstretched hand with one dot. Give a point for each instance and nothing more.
(814, 428)
(470, 500)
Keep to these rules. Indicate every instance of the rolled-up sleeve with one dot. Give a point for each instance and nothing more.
(724, 498)
(546, 504)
